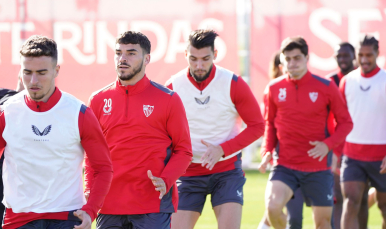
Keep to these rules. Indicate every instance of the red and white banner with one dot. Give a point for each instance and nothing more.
(323, 24)
(85, 31)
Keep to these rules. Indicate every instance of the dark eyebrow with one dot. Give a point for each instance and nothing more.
(39, 71)
(131, 50)
(202, 57)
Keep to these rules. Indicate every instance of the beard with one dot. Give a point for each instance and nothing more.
(129, 76)
(35, 96)
(201, 78)
(347, 68)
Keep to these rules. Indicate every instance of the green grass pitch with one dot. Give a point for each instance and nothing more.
(253, 209)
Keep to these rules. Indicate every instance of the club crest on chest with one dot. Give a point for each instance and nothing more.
(313, 96)
(147, 110)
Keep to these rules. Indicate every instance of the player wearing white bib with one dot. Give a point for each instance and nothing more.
(45, 132)
(214, 98)
(364, 90)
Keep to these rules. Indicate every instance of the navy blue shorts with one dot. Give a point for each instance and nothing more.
(225, 187)
(142, 221)
(354, 170)
(316, 187)
(53, 223)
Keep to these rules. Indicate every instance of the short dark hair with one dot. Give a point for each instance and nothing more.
(369, 40)
(202, 38)
(132, 37)
(291, 43)
(347, 45)
(37, 46)
(274, 70)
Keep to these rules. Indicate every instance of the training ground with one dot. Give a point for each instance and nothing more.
(253, 209)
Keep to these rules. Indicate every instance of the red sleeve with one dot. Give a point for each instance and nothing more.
(178, 130)
(2, 127)
(270, 137)
(249, 111)
(98, 167)
(344, 123)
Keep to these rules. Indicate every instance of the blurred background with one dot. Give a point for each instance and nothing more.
(250, 32)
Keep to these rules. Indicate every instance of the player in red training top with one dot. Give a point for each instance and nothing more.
(45, 132)
(214, 98)
(148, 135)
(364, 90)
(296, 121)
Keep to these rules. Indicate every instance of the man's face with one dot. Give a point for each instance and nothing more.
(129, 60)
(295, 63)
(38, 74)
(367, 58)
(200, 61)
(344, 57)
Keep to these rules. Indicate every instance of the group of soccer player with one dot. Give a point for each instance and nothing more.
(153, 153)
(293, 104)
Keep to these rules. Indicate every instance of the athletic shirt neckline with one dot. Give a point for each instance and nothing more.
(43, 106)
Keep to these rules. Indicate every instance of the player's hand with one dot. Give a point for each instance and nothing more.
(319, 151)
(212, 155)
(383, 166)
(86, 220)
(158, 183)
(86, 195)
(264, 162)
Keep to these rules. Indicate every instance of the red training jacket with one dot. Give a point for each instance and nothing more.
(145, 127)
(297, 112)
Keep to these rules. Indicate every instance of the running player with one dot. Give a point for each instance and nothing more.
(345, 57)
(364, 90)
(146, 129)
(214, 98)
(45, 132)
(298, 106)
(295, 205)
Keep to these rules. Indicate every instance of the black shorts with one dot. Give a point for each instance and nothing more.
(317, 187)
(142, 221)
(362, 171)
(225, 187)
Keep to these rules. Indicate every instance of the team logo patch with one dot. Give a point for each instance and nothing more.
(282, 94)
(38, 133)
(201, 102)
(313, 96)
(147, 110)
(239, 194)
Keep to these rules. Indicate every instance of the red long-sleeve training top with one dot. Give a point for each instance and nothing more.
(96, 150)
(297, 112)
(249, 111)
(145, 127)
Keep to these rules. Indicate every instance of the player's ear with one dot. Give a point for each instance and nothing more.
(57, 68)
(215, 54)
(147, 59)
